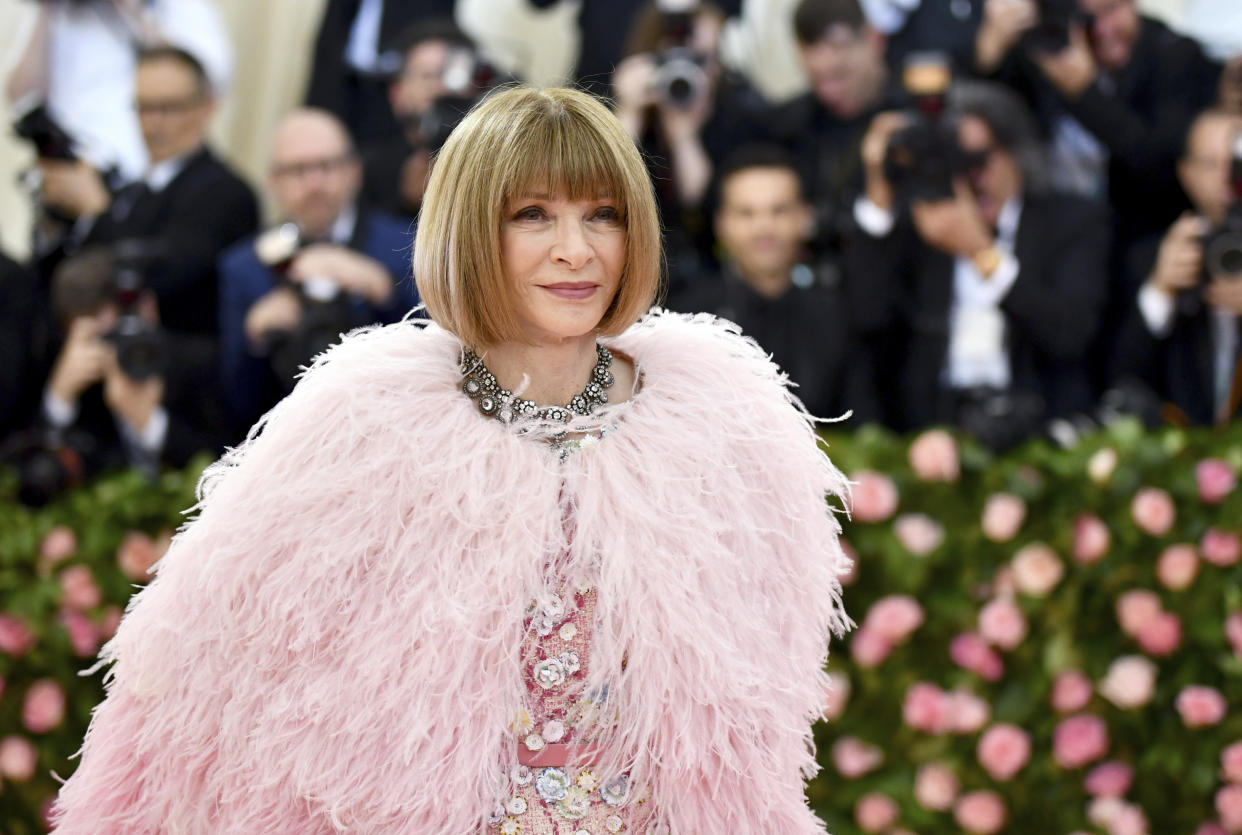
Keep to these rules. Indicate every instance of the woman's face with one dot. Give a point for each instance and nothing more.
(563, 259)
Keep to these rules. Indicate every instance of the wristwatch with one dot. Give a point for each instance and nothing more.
(987, 260)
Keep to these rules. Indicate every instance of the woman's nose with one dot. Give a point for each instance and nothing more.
(572, 247)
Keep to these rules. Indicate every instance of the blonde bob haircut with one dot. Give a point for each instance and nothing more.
(517, 142)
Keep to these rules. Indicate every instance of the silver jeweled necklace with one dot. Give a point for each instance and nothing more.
(481, 387)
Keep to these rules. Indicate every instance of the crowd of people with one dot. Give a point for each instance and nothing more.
(1018, 217)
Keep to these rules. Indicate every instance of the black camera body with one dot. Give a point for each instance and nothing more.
(1222, 248)
(467, 77)
(1056, 18)
(139, 344)
(681, 75)
(51, 141)
(924, 157)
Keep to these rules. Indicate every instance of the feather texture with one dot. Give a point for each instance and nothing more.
(332, 644)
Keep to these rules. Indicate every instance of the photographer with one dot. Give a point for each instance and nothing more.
(80, 59)
(334, 266)
(131, 393)
(396, 169)
(763, 223)
(1182, 332)
(984, 302)
(188, 201)
(1116, 91)
(684, 111)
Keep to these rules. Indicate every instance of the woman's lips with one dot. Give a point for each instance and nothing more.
(573, 291)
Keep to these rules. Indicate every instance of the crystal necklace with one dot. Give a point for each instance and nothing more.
(481, 386)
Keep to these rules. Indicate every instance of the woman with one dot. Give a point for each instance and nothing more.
(414, 601)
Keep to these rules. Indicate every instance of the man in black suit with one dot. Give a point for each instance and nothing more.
(1182, 334)
(763, 222)
(188, 207)
(989, 299)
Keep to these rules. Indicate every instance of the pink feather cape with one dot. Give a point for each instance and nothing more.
(333, 643)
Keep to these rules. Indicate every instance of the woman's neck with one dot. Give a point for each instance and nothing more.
(554, 372)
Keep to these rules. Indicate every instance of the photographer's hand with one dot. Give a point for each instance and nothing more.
(352, 271)
(1072, 69)
(1004, 23)
(74, 188)
(134, 401)
(279, 310)
(873, 150)
(1231, 86)
(82, 362)
(1180, 260)
(634, 83)
(1225, 294)
(954, 225)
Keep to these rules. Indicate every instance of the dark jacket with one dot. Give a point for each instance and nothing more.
(901, 294)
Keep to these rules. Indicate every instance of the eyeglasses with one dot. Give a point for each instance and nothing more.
(299, 170)
(977, 159)
(168, 107)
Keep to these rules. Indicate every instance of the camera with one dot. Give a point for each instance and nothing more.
(1056, 17)
(680, 78)
(47, 462)
(326, 311)
(36, 125)
(1222, 248)
(139, 344)
(467, 77)
(924, 157)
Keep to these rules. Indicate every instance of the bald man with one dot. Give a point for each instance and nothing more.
(333, 265)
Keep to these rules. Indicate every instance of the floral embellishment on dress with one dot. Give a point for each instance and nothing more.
(588, 781)
(552, 785)
(497, 815)
(570, 662)
(549, 673)
(533, 742)
(613, 824)
(575, 804)
(616, 790)
(554, 608)
(521, 775)
(522, 722)
(569, 631)
(544, 626)
(554, 731)
(510, 827)
(517, 806)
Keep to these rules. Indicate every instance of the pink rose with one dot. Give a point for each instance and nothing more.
(83, 636)
(918, 533)
(1091, 538)
(1222, 548)
(136, 555)
(935, 787)
(850, 577)
(1129, 820)
(78, 589)
(967, 712)
(1037, 569)
(1071, 691)
(1003, 515)
(1216, 480)
(971, 652)
(1177, 567)
(110, 621)
(1211, 828)
(926, 708)
(1003, 751)
(1109, 779)
(1101, 465)
(1200, 706)
(58, 544)
(894, 617)
(1160, 635)
(15, 637)
(874, 497)
(1002, 624)
(1153, 511)
(44, 706)
(1231, 763)
(837, 696)
(1130, 682)
(980, 812)
(1135, 608)
(1079, 740)
(17, 758)
(934, 457)
(869, 648)
(1233, 631)
(875, 812)
(853, 758)
(1229, 807)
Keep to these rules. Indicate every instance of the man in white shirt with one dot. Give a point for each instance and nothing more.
(985, 302)
(1184, 334)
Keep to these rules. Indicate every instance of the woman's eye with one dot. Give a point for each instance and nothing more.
(529, 213)
(608, 214)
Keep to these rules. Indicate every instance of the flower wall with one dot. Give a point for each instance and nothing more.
(1049, 641)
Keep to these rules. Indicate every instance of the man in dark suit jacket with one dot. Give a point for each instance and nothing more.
(188, 207)
(1182, 334)
(333, 266)
(24, 331)
(985, 301)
